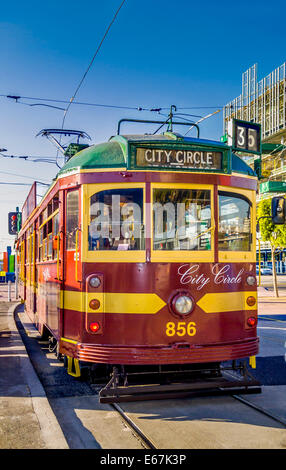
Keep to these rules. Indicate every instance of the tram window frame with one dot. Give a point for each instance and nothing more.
(191, 218)
(45, 214)
(235, 247)
(184, 256)
(49, 239)
(22, 266)
(56, 230)
(117, 243)
(50, 209)
(56, 203)
(32, 246)
(40, 247)
(45, 242)
(72, 220)
(46, 230)
(110, 256)
(28, 249)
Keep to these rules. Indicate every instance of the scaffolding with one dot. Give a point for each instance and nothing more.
(261, 102)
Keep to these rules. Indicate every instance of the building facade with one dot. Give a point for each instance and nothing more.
(264, 102)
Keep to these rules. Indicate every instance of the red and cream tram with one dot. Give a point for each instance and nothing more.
(141, 256)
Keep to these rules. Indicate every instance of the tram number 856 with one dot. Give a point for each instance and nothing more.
(181, 328)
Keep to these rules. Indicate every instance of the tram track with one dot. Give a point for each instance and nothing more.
(158, 421)
(148, 444)
(260, 409)
(256, 407)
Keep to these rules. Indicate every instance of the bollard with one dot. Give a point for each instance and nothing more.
(9, 291)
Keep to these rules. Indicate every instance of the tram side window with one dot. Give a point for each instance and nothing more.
(45, 242)
(40, 244)
(28, 249)
(116, 220)
(32, 246)
(181, 219)
(50, 238)
(56, 229)
(234, 222)
(72, 220)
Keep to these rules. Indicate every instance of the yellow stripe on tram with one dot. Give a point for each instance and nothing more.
(133, 303)
(226, 302)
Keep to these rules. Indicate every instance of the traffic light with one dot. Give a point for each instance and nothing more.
(12, 223)
(19, 221)
(278, 210)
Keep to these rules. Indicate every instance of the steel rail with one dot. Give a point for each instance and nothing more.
(257, 408)
(134, 427)
(262, 410)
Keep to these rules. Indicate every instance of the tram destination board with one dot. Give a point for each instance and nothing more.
(179, 158)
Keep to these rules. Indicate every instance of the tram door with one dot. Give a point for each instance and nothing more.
(33, 271)
(72, 258)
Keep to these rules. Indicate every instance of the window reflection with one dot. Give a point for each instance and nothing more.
(234, 222)
(72, 219)
(116, 220)
(181, 219)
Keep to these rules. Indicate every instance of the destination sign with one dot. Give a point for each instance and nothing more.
(174, 158)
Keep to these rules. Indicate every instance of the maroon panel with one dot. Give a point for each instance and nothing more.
(30, 202)
(166, 280)
(167, 355)
(172, 177)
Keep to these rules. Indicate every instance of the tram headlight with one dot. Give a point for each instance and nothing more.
(251, 280)
(183, 304)
(94, 281)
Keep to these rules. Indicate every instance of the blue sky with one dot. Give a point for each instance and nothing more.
(157, 53)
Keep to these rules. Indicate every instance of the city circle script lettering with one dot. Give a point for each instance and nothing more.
(190, 274)
(174, 158)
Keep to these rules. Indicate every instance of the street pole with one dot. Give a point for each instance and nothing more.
(16, 276)
(9, 291)
(16, 263)
(259, 262)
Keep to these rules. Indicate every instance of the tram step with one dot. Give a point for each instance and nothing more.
(176, 390)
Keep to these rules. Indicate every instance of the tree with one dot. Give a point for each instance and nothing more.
(274, 234)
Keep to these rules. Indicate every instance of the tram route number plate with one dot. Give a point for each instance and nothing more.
(175, 158)
(244, 136)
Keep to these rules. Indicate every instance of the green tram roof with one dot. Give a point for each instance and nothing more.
(114, 153)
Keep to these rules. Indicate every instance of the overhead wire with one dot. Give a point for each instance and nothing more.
(101, 105)
(23, 184)
(31, 158)
(21, 176)
(80, 103)
(91, 62)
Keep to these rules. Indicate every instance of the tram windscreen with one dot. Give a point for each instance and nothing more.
(181, 219)
(116, 220)
(234, 222)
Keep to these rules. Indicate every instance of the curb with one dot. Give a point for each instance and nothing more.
(51, 431)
